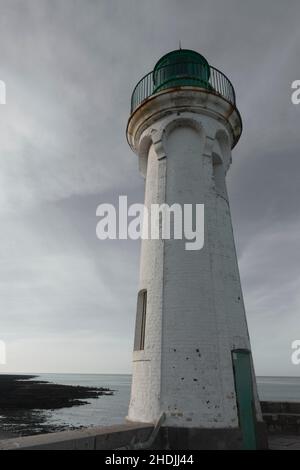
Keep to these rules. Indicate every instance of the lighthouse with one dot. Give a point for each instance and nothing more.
(192, 365)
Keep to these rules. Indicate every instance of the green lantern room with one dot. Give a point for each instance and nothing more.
(182, 67)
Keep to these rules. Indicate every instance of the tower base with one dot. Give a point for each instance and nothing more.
(176, 438)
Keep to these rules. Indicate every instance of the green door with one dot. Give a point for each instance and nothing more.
(244, 394)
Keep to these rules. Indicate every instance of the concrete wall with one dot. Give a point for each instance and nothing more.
(135, 437)
(282, 417)
(104, 438)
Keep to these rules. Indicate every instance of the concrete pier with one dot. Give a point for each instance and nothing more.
(282, 420)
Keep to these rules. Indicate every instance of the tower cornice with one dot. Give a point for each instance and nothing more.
(175, 101)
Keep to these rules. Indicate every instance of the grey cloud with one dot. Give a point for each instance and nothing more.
(70, 67)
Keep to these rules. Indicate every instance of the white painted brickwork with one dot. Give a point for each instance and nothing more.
(195, 310)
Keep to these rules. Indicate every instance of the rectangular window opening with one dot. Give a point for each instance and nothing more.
(140, 327)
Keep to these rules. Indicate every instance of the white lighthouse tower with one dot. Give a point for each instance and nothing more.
(192, 366)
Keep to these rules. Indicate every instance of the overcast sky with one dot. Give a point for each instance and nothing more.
(67, 300)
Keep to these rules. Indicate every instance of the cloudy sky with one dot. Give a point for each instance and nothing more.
(67, 300)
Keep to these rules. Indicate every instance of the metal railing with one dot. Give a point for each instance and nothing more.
(182, 74)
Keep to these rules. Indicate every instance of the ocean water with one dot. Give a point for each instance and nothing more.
(109, 410)
(103, 411)
(279, 388)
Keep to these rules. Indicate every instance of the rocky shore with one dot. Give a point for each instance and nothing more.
(25, 403)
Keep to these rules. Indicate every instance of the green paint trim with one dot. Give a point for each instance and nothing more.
(242, 368)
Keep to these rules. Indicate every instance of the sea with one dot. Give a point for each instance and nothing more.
(112, 409)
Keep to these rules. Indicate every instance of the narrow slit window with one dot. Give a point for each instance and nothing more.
(140, 328)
